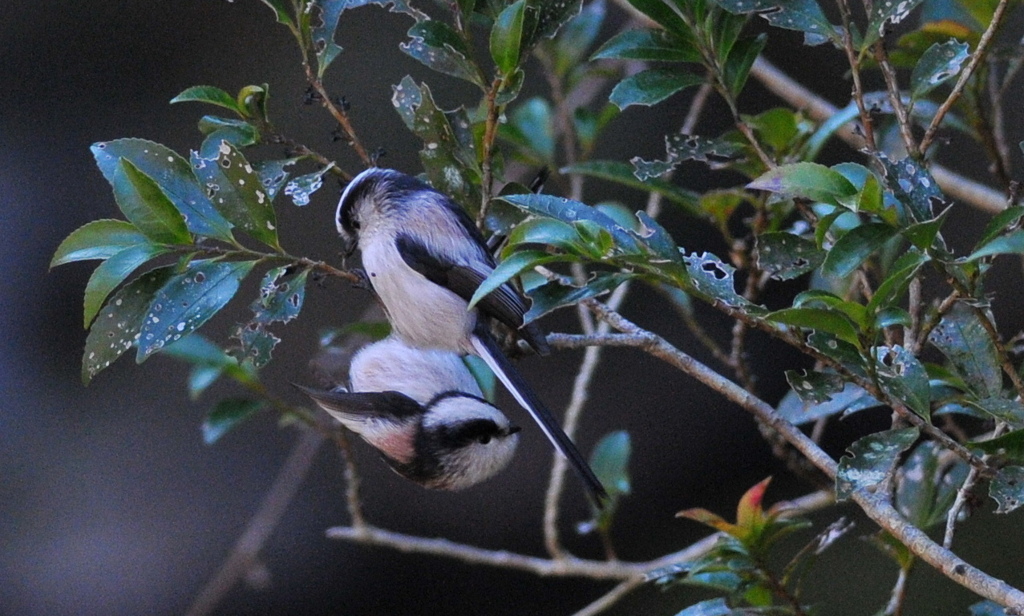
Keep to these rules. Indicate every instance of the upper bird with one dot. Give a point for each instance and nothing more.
(423, 410)
(425, 258)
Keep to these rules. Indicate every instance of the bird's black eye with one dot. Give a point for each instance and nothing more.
(355, 224)
(485, 439)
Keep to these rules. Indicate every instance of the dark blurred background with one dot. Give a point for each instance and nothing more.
(112, 504)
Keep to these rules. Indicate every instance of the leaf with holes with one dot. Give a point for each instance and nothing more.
(326, 14)
(801, 15)
(1007, 489)
(715, 280)
(301, 188)
(871, 460)
(282, 293)
(679, 148)
(913, 186)
(238, 193)
(172, 174)
(439, 47)
(841, 351)
(902, 376)
(849, 400)
(187, 301)
(785, 256)
(962, 338)
(939, 64)
(273, 175)
(236, 132)
(814, 387)
(883, 13)
(119, 322)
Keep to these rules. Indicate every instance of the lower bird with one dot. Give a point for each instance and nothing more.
(424, 412)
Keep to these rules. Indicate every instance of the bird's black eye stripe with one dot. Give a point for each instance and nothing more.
(478, 430)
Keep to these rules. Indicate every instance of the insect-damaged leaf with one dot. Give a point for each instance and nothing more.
(715, 280)
(940, 63)
(971, 353)
(801, 15)
(680, 147)
(238, 192)
(1007, 489)
(914, 187)
(119, 322)
(902, 376)
(871, 460)
(281, 298)
(785, 256)
(437, 45)
(850, 400)
(172, 174)
(187, 301)
(814, 387)
(554, 295)
(113, 272)
(301, 188)
(325, 23)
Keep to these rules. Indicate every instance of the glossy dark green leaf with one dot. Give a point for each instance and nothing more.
(785, 256)
(926, 485)
(548, 17)
(819, 319)
(544, 231)
(1007, 219)
(1007, 489)
(817, 298)
(119, 322)
(895, 284)
(939, 64)
(851, 250)
(438, 46)
(448, 159)
(112, 272)
(814, 387)
(741, 58)
(710, 607)
(1009, 445)
(570, 47)
(146, 206)
(972, 355)
(680, 147)
(99, 239)
(662, 13)
(572, 212)
(622, 173)
(1012, 243)
(326, 14)
(531, 127)
(841, 351)
(924, 234)
(554, 294)
(174, 176)
(651, 86)
(228, 414)
(803, 15)
(808, 181)
(871, 460)
(509, 269)
(208, 94)
(650, 45)
(238, 193)
(238, 133)
(902, 376)
(1003, 409)
(188, 300)
(657, 241)
(507, 37)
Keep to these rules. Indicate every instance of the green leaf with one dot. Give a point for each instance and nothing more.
(1003, 409)
(572, 212)
(119, 322)
(1007, 489)
(651, 86)
(623, 174)
(272, 174)
(847, 354)
(650, 45)
(507, 37)
(902, 376)
(280, 11)
(282, 294)
(238, 133)
(531, 128)
(187, 301)
(228, 414)
(715, 280)
(849, 400)
(209, 94)
(741, 58)
(939, 64)
(859, 243)
(785, 256)
(656, 240)
(146, 206)
(439, 47)
(326, 14)
(238, 193)
(610, 462)
(814, 387)
(820, 319)
(113, 272)
(962, 338)
(801, 15)
(1009, 445)
(553, 295)
(509, 269)
(923, 234)
(661, 13)
(883, 13)
(987, 608)
(895, 284)
(99, 239)
(913, 185)
(871, 460)
(1002, 245)
(927, 484)
(548, 18)
(172, 174)
(302, 187)
(808, 181)
(1000, 223)
(545, 231)
(576, 37)
(448, 155)
(711, 607)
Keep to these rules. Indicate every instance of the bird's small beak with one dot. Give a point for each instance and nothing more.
(513, 429)
(348, 245)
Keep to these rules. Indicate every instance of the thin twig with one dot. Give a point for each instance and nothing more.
(612, 597)
(246, 550)
(965, 75)
(964, 494)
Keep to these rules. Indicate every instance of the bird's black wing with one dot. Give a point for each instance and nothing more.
(365, 403)
(504, 303)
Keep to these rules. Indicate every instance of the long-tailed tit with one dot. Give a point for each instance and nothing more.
(425, 259)
(424, 412)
